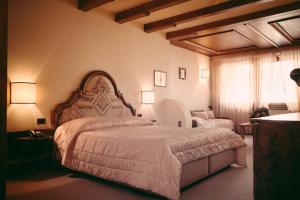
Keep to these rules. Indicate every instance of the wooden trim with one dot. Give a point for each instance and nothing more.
(189, 47)
(145, 9)
(234, 20)
(216, 33)
(249, 40)
(285, 19)
(60, 107)
(188, 40)
(253, 49)
(224, 52)
(194, 48)
(200, 46)
(266, 38)
(275, 24)
(196, 14)
(87, 5)
(3, 94)
(209, 34)
(283, 32)
(238, 50)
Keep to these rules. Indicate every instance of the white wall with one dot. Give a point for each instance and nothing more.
(176, 112)
(194, 92)
(54, 44)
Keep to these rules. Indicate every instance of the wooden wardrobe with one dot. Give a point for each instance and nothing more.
(276, 144)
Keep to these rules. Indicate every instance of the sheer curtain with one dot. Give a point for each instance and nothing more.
(246, 81)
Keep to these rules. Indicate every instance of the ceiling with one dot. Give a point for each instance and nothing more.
(211, 27)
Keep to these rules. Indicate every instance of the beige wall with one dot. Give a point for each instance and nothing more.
(54, 44)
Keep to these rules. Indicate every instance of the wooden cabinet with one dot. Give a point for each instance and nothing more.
(277, 157)
(25, 152)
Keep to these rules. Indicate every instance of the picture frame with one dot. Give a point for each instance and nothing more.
(204, 73)
(182, 73)
(160, 78)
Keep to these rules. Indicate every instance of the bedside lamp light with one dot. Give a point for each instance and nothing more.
(147, 97)
(204, 73)
(22, 93)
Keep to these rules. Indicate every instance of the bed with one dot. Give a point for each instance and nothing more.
(98, 133)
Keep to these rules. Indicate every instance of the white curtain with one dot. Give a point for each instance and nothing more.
(251, 80)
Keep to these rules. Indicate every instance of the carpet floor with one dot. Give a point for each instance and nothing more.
(233, 183)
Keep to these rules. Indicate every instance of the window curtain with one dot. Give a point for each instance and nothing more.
(246, 81)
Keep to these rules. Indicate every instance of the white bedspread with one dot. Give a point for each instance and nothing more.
(136, 152)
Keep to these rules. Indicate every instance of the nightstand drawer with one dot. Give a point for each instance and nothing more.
(25, 147)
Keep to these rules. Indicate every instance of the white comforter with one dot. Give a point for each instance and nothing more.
(136, 152)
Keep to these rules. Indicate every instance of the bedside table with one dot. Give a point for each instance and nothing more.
(24, 151)
(242, 128)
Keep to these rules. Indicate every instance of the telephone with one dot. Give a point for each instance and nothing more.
(33, 133)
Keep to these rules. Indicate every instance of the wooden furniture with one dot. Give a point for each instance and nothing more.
(243, 128)
(25, 151)
(3, 95)
(97, 96)
(277, 157)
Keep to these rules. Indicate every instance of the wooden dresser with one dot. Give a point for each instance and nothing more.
(277, 157)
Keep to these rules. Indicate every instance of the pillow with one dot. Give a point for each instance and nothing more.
(200, 122)
(210, 114)
(200, 114)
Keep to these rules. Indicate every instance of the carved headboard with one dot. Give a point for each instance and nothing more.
(97, 96)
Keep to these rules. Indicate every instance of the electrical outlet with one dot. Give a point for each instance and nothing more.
(40, 121)
(179, 123)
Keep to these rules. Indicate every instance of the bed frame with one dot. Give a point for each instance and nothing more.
(98, 96)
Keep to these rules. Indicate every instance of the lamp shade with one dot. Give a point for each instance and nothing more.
(147, 97)
(22, 93)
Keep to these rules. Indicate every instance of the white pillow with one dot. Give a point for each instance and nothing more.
(200, 114)
(210, 114)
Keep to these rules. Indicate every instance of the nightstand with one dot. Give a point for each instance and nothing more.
(243, 128)
(27, 152)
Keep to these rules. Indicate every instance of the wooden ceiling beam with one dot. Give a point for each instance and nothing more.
(145, 9)
(187, 32)
(196, 14)
(87, 5)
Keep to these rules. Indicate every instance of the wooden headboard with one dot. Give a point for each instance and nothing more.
(97, 96)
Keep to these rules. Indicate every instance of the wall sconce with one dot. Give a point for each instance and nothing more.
(147, 97)
(22, 93)
(204, 73)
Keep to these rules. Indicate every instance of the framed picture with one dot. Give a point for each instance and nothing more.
(182, 73)
(204, 73)
(160, 78)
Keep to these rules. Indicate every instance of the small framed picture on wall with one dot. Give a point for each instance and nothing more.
(182, 73)
(160, 78)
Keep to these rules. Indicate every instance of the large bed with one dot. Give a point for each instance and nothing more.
(98, 133)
